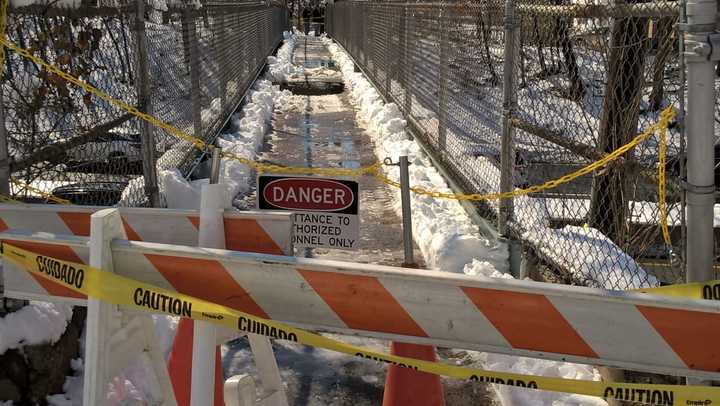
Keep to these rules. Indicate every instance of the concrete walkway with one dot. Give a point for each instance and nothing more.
(322, 131)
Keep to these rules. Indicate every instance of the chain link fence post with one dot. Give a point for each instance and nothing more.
(443, 21)
(507, 161)
(145, 102)
(220, 43)
(190, 37)
(406, 60)
(4, 156)
(701, 44)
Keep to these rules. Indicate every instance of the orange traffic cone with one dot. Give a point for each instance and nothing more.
(405, 386)
(180, 366)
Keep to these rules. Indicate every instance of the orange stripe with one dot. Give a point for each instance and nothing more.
(62, 252)
(78, 223)
(249, 236)
(245, 235)
(692, 335)
(362, 302)
(529, 321)
(217, 285)
(129, 232)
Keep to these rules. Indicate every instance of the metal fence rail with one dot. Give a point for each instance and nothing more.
(189, 67)
(511, 93)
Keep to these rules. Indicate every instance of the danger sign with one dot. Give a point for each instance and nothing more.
(325, 209)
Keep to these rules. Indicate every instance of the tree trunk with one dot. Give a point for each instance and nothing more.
(485, 32)
(665, 45)
(608, 205)
(577, 88)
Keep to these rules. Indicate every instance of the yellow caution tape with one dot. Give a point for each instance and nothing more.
(49, 196)
(661, 125)
(709, 290)
(119, 290)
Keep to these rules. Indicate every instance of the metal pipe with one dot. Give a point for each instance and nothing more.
(143, 91)
(188, 25)
(4, 156)
(507, 155)
(700, 123)
(406, 212)
(215, 168)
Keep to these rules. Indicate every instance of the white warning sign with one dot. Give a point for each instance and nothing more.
(326, 210)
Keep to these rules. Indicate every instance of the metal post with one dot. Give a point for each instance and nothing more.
(507, 155)
(220, 39)
(407, 59)
(389, 60)
(215, 168)
(701, 44)
(443, 90)
(4, 156)
(406, 212)
(195, 97)
(145, 102)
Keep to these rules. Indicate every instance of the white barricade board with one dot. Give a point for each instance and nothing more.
(620, 329)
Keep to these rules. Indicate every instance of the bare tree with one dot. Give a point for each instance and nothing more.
(621, 105)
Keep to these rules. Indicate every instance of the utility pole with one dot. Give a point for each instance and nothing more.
(701, 54)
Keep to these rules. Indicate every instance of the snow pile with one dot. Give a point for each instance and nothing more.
(602, 263)
(280, 67)
(36, 323)
(244, 141)
(447, 237)
(445, 234)
(136, 385)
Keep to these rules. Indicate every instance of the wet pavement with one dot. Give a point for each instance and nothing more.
(322, 131)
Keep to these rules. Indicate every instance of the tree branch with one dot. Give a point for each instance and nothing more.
(47, 152)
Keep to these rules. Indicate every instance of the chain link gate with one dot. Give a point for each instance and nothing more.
(200, 61)
(562, 84)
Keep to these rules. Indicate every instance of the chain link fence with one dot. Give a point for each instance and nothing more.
(506, 94)
(189, 66)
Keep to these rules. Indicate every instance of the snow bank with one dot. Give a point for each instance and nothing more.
(280, 67)
(445, 234)
(601, 264)
(448, 239)
(37, 323)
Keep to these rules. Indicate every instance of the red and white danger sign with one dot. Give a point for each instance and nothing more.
(326, 210)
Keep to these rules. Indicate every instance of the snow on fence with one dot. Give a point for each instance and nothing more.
(580, 81)
(187, 66)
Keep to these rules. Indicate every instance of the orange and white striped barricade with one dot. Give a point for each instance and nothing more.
(263, 232)
(131, 334)
(252, 231)
(593, 326)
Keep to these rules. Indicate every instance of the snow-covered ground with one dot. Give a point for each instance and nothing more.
(37, 323)
(449, 240)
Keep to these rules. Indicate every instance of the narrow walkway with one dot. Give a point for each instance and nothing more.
(322, 131)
